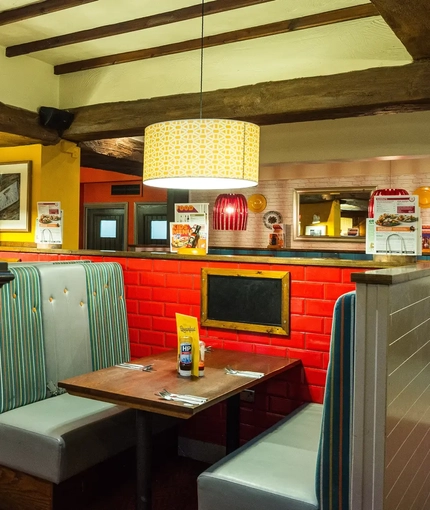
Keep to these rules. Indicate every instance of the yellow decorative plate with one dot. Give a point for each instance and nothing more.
(257, 203)
(424, 193)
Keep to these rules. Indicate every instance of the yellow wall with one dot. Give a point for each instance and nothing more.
(55, 174)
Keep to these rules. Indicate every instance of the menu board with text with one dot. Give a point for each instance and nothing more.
(395, 228)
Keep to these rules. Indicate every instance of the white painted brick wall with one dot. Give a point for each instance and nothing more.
(279, 196)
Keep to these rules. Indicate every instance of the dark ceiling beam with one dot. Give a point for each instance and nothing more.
(279, 27)
(10, 140)
(38, 9)
(410, 21)
(163, 18)
(129, 148)
(24, 123)
(374, 91)
(123, 155)
(91, 159)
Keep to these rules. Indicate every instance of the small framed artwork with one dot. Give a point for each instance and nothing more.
(15, 207)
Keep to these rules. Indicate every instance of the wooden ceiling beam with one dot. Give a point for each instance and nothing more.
(10, 140)
(123, 165)
(279, 27)
(410, 21)
(372, 91)
(38, 9)
(24, 123)
(129, 148)
(163, 18)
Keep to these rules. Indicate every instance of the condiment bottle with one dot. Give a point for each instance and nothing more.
(202, 346)
(185, 356)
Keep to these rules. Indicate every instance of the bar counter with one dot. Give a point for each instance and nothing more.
(16, 251)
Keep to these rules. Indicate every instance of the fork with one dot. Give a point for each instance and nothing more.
(243, 373)
(182, 398)
(186, 403)
(132, 366)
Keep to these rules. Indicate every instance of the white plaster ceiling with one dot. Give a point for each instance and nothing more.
(340, 47)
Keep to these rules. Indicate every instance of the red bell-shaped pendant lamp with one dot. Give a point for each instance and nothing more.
(230, 212)
(385, 191)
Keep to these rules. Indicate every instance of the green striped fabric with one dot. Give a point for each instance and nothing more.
(334, 456)
(107, 314)
(22, 356)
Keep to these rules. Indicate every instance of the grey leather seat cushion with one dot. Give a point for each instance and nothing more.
(274, 471)
(60, 436)
(66, 326)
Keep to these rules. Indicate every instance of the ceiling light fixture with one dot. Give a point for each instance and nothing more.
(201, 153)
(230, 212)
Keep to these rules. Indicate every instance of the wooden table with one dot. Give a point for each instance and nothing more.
(137, 389)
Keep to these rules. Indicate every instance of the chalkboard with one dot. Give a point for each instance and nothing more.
(246, 299)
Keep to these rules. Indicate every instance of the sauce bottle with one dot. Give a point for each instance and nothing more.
(202, 346)
(194, 237)
(185, 356)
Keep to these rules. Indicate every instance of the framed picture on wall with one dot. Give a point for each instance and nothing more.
(15, 207)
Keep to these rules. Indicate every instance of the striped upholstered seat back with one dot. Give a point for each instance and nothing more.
(334, 458)
(22, 357)
(107, 314)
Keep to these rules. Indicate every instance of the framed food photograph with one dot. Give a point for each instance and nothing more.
(15, 207)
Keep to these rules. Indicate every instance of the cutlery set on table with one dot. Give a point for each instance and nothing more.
(188, 400)
(191, 400)
(243, 373)
(134, 366)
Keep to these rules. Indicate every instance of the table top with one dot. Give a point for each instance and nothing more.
(137, 389)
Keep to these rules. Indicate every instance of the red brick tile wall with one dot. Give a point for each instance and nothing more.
(156, 289)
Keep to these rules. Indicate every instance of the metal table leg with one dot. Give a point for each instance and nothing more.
(144, 460)
(233, 423)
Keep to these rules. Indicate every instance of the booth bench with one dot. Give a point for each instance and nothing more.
(58, 320)
(303, 462)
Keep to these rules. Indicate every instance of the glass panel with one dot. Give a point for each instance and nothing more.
(108, 228)
(158, 229)
(335, 214)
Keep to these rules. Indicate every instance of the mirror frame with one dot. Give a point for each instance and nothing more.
(296, 213)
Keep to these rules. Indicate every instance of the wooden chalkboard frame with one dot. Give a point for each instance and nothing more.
(209, 275)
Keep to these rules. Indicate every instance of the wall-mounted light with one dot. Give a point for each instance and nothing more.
(230, 212)
(201, 153)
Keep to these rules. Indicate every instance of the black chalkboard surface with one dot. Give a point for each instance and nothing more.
(246, 299)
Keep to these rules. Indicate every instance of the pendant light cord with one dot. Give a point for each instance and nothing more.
(201, 60)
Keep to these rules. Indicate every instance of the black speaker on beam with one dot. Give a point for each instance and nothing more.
(60, 120)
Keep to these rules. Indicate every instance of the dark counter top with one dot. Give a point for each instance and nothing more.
(393, 275)
(250, 259)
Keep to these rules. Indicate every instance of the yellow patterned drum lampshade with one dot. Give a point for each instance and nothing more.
(201, 154)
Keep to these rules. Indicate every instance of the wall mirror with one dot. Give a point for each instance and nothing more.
(332, 214)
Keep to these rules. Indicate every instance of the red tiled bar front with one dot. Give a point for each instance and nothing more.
(157, 288)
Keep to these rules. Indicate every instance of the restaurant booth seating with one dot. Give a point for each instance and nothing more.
(58, 320)
(303, 462)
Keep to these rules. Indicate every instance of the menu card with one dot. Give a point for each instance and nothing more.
(188, 235)
(396, 227)
(49, 223)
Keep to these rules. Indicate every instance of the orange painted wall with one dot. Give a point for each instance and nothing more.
(96, 189)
